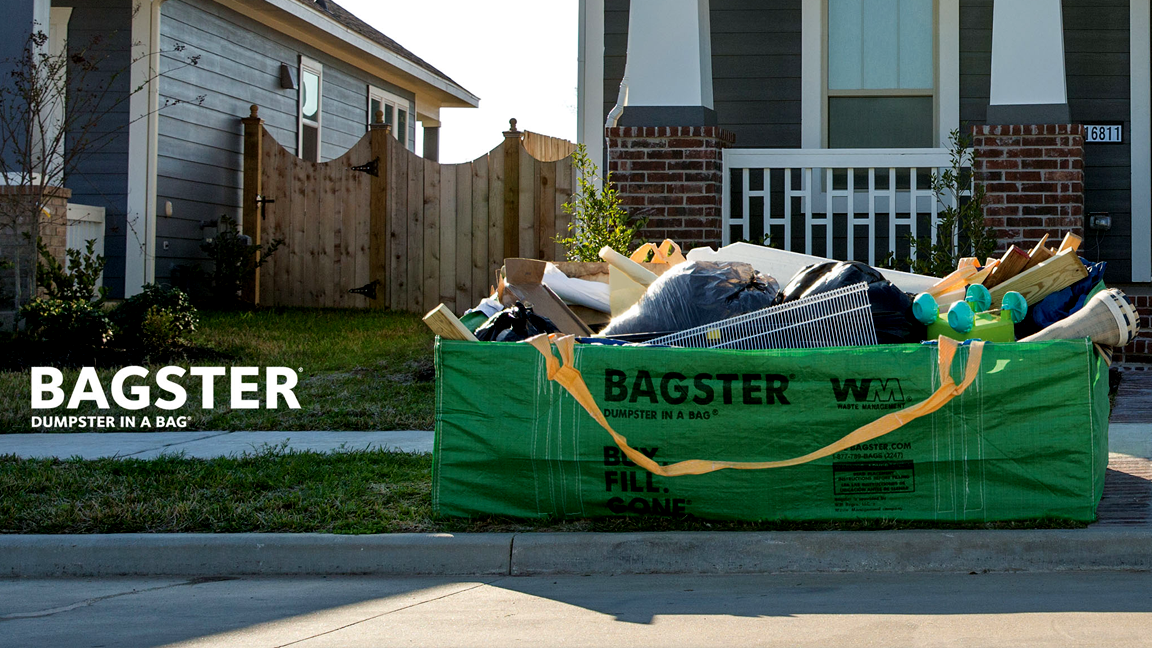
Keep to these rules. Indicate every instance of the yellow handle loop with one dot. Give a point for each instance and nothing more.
(563, 372)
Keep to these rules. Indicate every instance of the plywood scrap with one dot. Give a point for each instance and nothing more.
(1056, 273)
(958, 279)
(446, 325)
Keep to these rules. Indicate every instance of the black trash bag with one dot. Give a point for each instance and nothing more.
(514, 324)
(891, 307)
(694, 294)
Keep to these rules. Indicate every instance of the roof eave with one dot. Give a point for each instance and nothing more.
(315, 27)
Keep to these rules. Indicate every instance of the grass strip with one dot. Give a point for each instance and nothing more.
(274, 490)
(358, 370)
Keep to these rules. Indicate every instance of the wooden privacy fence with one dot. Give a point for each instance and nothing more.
(412, 232)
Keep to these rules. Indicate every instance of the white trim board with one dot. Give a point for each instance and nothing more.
(1141, 84)
(143, 109)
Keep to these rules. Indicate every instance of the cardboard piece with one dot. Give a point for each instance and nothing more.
(523, 279)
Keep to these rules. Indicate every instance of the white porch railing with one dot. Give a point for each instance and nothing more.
(84, 223)
(831, 192)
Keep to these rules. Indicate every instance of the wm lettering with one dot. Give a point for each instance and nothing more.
(868, 390)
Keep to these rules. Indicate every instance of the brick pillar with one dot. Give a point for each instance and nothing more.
(1033, 177)
(673, 175)
(52, 230)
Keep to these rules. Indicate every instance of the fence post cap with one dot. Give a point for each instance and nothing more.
(512, 129)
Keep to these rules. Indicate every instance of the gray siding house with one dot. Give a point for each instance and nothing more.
(174, 159)
(893, 76)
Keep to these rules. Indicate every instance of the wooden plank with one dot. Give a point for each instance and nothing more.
(495, 212)
(271, 223)
(1011, 264)
(1056, 273)
(326, 193)
(297, 245)
(512, 148)
(546, 211)
(432, 220)
(378, 218)
(398, 230)
(565, 183)
(1070, 242)
(415, 233)
(448, 326)
(527, 205)
(464, 237)
(253, 178)
(362, 218)
(480, 205)
(1039, 254)
(312, 220)
(448, 236)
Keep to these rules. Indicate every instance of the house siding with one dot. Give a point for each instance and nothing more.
(756, 85)
(100, 175)
(200, 164)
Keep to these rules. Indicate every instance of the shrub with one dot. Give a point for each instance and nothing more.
(598, 220)
(78, 281)
(156, 319)
(960, 231)
(235, 260)
(66, 328)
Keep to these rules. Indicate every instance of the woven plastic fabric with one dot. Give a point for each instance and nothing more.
(1027, 439)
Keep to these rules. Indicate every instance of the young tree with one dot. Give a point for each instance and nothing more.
(54, 111)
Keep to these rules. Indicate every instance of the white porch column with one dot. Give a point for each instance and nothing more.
(143, 111)
(669, 69)
(590, 88)
(1028, 82)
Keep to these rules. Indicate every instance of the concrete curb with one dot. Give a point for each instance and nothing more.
(282, 554)
(196, 554)
(834, 551)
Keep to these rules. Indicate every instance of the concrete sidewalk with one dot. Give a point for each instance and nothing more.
(203, 445)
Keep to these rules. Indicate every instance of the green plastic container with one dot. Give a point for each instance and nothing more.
(1027, 439)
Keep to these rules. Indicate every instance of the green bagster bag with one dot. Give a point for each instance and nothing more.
(1005, 432)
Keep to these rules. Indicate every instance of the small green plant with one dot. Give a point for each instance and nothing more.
(598, 220)
(155, 320)
(960, 231)
(78, 281)
(66, 329)
(235, 260)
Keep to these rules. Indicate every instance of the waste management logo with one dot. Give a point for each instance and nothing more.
(868, 393)
(131, 389)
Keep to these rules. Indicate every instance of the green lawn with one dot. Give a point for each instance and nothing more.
(358, 370)
(277, 491)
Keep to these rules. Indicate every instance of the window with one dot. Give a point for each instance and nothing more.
(881, 73)
(396, 113)
(311, 83)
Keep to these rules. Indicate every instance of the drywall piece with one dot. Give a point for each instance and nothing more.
(782, 265)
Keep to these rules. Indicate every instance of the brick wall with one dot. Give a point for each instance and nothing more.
(1033, 177)
(53, 230)
(673, 176)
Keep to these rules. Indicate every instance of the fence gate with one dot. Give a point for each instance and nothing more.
(406, 232)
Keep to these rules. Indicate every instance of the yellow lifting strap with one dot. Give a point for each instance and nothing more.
(571, 380)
